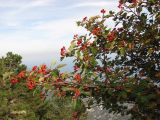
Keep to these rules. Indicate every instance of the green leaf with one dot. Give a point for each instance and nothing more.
(73, 44)
(47, 86)
(66, 89)
(78, 54)
(62, 58)
(139, 9)
(94, 50)
(122, 51)
(93, 61)
(144, 99)
(124, 94)
(150, 51)
(78, 104)
(64, 75)
(112, 45)
(60, 66)
(36, 91)
(78, 23)
(55, 73)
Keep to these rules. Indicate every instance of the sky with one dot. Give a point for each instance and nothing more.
(37, 29)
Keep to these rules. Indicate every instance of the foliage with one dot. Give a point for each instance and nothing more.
(39, 85)
(119, 67)
(19, 101)
(11, 62)
(58, 108)
(122, 65)
(14, 104)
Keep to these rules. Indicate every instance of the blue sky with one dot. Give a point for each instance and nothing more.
(37, 29)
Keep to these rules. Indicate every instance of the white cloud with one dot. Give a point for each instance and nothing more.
(38, 28)
(42, 2)
(47, 36)
(24, 3)
(58, 28)
(94, 4)
(14, 15)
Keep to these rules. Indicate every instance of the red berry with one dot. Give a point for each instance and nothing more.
(103, 11)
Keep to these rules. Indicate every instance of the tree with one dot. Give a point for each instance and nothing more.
(119, 67)
(19, 101)
(13, 103)
(122, 65)
(11, 62)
